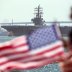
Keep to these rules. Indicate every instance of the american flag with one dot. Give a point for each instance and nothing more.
(41, 47)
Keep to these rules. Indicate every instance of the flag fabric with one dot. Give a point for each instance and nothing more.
(41, 47)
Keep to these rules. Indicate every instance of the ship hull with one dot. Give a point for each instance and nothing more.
(25, 30)
(19, 30)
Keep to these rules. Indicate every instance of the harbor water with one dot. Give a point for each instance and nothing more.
(47, 68)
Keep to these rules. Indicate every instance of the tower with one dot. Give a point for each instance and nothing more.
(38, 20)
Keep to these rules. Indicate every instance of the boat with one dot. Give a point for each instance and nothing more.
(25, 28)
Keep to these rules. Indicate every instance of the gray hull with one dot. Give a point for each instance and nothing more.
(25, 30)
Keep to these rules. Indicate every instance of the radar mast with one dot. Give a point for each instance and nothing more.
(38, 20)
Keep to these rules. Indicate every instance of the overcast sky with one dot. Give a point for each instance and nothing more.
(22, 10)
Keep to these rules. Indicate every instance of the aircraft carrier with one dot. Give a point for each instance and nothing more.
(25, 28)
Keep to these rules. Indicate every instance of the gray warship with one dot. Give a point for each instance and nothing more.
(25, 28)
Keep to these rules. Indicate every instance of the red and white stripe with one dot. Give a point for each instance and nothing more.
(15, 54)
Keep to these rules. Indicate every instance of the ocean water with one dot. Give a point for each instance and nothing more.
(47, 68)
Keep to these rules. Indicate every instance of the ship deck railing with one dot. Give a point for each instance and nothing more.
(61, 23)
